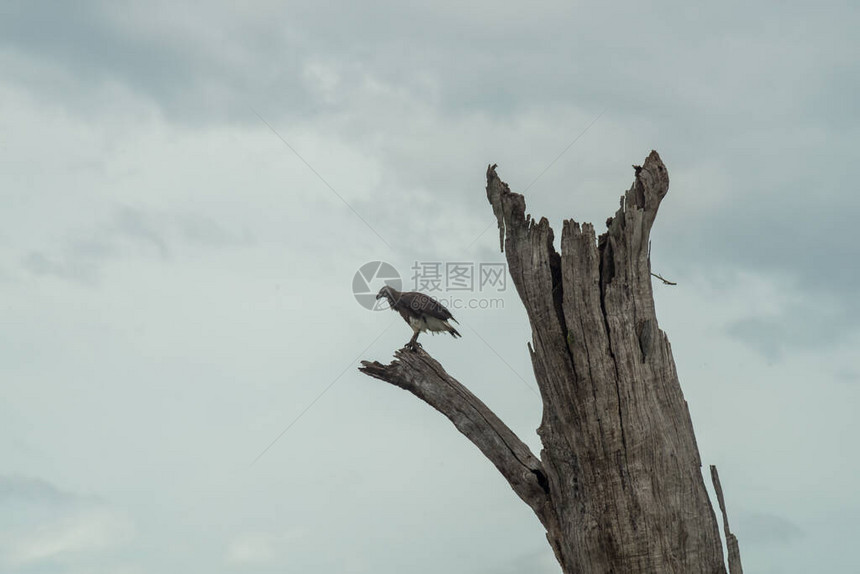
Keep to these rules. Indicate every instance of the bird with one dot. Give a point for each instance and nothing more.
(422, 312)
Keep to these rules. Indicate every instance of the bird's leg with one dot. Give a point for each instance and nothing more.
(413, 343)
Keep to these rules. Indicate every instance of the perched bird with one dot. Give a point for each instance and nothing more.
(423, 313)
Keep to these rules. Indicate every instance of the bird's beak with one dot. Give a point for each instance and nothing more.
(378, 296)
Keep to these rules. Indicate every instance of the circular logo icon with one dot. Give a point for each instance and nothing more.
(369, 279)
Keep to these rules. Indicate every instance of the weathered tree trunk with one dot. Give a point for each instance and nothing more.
(618, 486)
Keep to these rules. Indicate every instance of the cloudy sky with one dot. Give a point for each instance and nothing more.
(188, 193)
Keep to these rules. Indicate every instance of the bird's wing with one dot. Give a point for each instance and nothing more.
(421, 303)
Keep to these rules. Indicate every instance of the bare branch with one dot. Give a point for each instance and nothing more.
(731, 540)
(421, 375)
(661, 278)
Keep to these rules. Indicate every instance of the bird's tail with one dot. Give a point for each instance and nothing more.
(454, 332)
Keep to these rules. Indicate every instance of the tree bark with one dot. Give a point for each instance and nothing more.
(618, 486)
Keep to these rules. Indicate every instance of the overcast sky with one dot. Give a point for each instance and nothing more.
(187, 195)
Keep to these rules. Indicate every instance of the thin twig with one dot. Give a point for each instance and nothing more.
(664, 280)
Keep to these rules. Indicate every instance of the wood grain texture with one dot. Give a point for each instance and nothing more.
(618, 486)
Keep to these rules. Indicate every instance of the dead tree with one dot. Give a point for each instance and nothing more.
(618, 485)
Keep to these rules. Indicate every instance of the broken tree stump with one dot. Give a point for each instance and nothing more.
(618, 485)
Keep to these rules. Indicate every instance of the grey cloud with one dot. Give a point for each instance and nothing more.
(27, 502)
(765, 528)
(45, 528)
(850, 376)
(804, 326)
(204, 231)
(806, 238)
(401, 66)
(155, 228)
(81, 258)
(492, 60)
(137, 224)
(77, 269)
(91, 45)
(24, 489)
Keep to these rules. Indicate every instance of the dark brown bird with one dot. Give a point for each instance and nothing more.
(423, 313)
